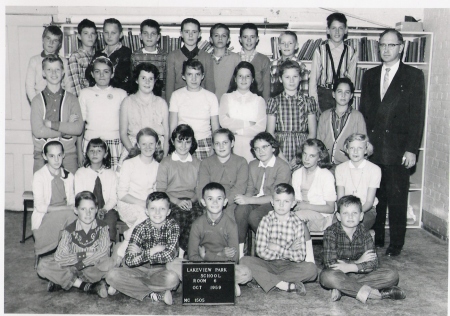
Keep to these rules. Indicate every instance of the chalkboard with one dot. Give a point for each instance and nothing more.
(208, 283)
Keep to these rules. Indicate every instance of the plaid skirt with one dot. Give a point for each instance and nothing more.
(290, 142)
(204, 148)
(185, 219)
(115, 148)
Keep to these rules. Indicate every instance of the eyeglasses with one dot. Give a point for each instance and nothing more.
(389, 46)
(262, 148)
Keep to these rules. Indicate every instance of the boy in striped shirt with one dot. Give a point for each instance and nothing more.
(284, 247)
(82, 258)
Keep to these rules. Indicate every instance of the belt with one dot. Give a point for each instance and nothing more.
(327, 86)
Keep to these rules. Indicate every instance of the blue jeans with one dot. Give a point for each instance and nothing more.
(358, 285)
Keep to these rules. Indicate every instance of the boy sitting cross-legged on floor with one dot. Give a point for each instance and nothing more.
(153, 243)
(284, 247)
(82, 258)
(214, 236)
(350, 260)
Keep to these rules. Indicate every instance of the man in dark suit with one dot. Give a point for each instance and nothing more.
(393, 105)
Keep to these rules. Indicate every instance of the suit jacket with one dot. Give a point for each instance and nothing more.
(394, 124)
(279, 173)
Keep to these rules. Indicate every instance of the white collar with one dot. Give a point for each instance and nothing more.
(270, 163)
(393, 68)
(176, 157)
(147, 52)
(352, 166)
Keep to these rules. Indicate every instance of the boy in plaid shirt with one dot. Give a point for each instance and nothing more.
(80, 60)
(284, 247)
(153, 243)
(350, 260)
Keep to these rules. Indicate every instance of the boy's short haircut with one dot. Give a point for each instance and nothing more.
(194, 64)
(55, 30)
(219, 26)
(213, 186)
(347, 200)
(84, 24)
(151, 23)
(336, 17)
(51, 58)
(249, 26)
(344, 80)
(284, 188)
(190, 20)
(156, 196)
(85, 195)
(288, 33)
(52, 143)
(394, 31)
(289, 64)
(362, 138)
(268, 138)
(225, 131)
(113, 21)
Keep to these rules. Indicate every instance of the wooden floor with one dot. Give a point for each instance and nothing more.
(423, 269)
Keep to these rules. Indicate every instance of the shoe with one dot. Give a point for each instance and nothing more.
(158, 297)
(52, 287)
(335, 295)
(252, 284)
(393, 293)
(393, 252)
(300, 288)
(112, 291)
(99, 288)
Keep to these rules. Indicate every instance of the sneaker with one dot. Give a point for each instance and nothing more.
(165, 297)
(253, 284)
(52, 287)
(237, 291)
(300, 288)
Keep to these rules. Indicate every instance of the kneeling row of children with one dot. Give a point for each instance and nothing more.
(285, 254)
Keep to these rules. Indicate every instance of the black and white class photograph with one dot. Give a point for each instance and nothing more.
(236, 158)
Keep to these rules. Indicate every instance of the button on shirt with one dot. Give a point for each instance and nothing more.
(282, 233)
(392, 72)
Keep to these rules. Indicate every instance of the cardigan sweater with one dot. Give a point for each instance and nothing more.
(262, 74)
(42, 192)
(174, 69)
(66, 132)
(279, 173)
(355, 124)
(322, 188)
(223, 72)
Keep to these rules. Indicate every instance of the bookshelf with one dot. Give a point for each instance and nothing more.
(417, 53)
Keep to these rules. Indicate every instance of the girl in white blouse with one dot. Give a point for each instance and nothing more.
(314, 187)
(243, 111)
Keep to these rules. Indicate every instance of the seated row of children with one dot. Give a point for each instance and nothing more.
(284, 247)
(109, 114)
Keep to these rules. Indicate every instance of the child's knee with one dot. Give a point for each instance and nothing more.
(311, 271)
(175, 266)
(113, 276)
(172, 279)
(391, 275)
(329, 279)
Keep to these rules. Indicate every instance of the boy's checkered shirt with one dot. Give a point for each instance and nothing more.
(284, 234)
(146, 236)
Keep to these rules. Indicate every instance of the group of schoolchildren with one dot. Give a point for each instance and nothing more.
(183, 177)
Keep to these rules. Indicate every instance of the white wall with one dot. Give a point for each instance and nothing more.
(24, 26)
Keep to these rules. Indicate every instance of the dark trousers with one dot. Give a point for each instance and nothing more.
(249, 214)
(393, 193)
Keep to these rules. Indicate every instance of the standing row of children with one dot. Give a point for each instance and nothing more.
(108, 119)
(95, 76)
